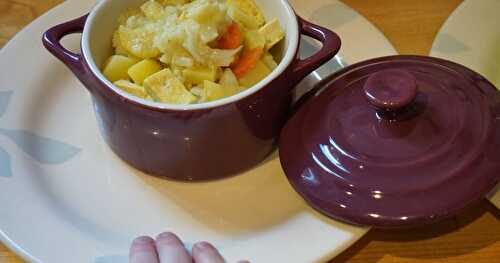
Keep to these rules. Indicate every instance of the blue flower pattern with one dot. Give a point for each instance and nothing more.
(44, 150)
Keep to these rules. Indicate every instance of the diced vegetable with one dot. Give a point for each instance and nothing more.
(268, 59)
(119, 49)
(272, 32)
(243, 18)
(229, 83)
(132, 88)
(205, 12)
(231, 38)
(229, 80)
(157, 80)
(140, 71)
(248, 7)
(164, 87)
(247, 62)
(183, 61)
(174, 92)
(152, 9)
(254, 76)
(198, 75)
(212, 91)
(117, 66)
(254, 39)
(139, 41)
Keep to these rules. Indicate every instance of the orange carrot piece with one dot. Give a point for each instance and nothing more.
(247, 61)
(232, 38)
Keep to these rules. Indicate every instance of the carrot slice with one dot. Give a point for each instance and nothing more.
(232, 38)
(247, 61)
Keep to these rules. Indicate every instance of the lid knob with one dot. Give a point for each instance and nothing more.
(391, 89)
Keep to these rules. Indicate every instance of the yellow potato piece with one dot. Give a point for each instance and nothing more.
(212, 91)
(243, 18)
(268, 59)
(272, 32)
(132, 88)
(249, 8)
(254, 39)
(139, 42)
(140, 71)
(198, 75)
(117, 66)
(255, 75)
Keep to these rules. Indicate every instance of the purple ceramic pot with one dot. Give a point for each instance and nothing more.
(194, 142)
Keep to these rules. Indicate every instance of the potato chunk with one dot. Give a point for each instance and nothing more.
(117, 66)
(140, 71)
(254, 39)
(258, 73)
(198, 75)
(268, 59)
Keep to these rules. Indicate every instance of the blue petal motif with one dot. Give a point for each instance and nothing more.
(5, 167)
(42, 149)
(112, 259)
(4, 101)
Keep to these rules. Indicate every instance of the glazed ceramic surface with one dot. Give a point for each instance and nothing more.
(62, 187)
(190, 142)
(395, 142)
(470, 37)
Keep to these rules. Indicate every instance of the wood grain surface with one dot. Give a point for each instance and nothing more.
(411, 26)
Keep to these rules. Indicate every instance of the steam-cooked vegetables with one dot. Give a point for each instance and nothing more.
(183, 52)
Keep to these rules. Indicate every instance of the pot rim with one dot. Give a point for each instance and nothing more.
(288, 58)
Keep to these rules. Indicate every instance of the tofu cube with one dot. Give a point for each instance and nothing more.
(273, 33)
(132, 88)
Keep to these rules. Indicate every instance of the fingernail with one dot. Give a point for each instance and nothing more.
(168, 238)
(143, 240)
(204, 245)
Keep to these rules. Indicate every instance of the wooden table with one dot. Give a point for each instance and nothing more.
(411, 26)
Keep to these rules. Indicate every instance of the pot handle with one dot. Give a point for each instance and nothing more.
(331, 45)
(52, 42)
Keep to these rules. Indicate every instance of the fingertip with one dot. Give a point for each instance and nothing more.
(143, 250)
(204, 252)
(171, 249)
(142, 243)
(168, 238)
(203, 245)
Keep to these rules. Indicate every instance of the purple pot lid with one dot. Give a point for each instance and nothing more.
(395, 142)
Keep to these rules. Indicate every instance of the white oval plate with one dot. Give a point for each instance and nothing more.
(471, 37)
(65, 197)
